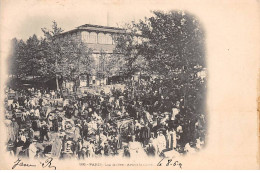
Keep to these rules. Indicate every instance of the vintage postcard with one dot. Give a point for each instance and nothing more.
(127, 84)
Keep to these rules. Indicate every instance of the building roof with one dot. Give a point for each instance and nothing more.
(95, 28)
(101, 28)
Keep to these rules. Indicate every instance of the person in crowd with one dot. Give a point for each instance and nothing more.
(44, 131)
(107, 124)
(107, 149)
(150, 149)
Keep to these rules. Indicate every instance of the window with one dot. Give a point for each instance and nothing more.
(93, 37)
(101, 38)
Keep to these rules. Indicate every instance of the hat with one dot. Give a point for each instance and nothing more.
(161, 129)
(167, 113)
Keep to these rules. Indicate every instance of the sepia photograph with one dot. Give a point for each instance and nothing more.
(123, 85)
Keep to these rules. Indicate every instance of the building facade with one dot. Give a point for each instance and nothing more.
(101, 40)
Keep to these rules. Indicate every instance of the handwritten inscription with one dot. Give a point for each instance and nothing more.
(20, 163)
(46, 164)
(169, 162)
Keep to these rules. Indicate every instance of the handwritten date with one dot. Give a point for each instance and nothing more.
(169, 162)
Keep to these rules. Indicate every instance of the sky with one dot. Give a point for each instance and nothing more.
(22, 19)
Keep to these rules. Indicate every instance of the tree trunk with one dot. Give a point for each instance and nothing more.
(57, 83)
(87, 80)
(57, 79)
(74, 86)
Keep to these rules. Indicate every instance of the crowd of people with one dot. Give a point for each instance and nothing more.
(41, 123)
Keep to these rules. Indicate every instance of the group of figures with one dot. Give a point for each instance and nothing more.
(41, 123)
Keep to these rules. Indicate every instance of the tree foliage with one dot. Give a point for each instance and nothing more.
(77, 61)
(170, 46)
(50, 57)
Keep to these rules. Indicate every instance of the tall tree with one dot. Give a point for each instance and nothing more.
(77, 62)
(54, 49)
(70, 58)
(172, 46)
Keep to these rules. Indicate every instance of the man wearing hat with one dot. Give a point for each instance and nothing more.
(106, 149)
(126, 151)
(91, 149)
(150, 149)
(44, 131)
